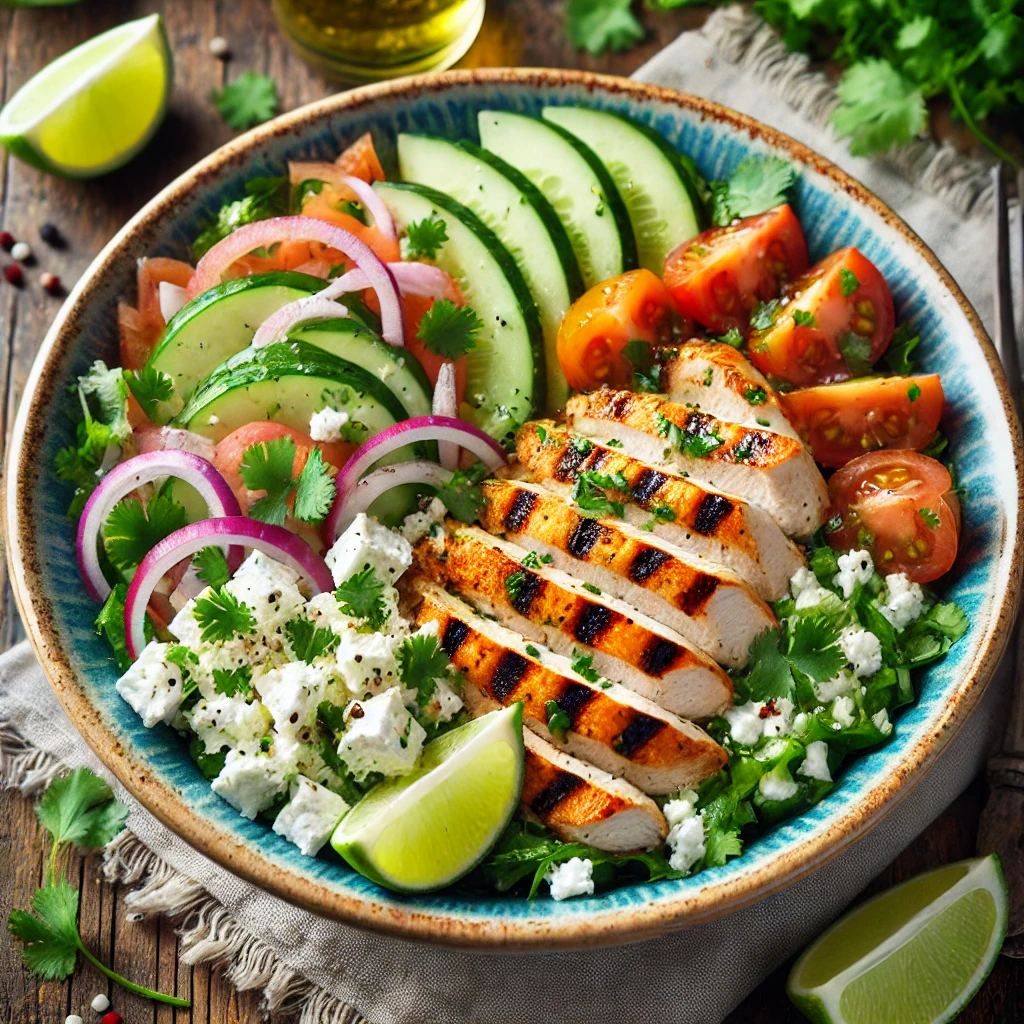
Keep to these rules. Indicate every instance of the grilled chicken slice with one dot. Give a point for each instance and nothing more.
(582, 804)
(774, 472)
(549, 606)
(606, 724)
(646, 572)
(705, 523)
(716, 379)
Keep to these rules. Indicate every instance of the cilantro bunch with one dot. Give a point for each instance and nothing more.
(80, 809)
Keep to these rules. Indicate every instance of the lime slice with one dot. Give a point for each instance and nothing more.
(93, 109)
(426, 830)
(913, 955)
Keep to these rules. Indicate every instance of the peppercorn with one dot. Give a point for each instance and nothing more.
(6, 241)
(13, 275)
(21, 251)
(100, 1002)
(111, 1018)
(51, 235)
(50, 283)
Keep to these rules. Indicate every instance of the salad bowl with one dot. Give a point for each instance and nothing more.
(835, 211)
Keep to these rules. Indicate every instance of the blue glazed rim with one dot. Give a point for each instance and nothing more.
(154, 766)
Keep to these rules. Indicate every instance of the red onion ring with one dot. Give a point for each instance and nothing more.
(127, 477)
(300, 171)
(265, 233)
(274, 541)
(309, 307)
(413, 278)
(446, 404)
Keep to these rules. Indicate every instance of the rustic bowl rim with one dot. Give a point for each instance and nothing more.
(604, 927)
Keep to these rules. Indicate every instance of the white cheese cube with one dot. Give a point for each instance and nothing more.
(367, 544)
(429, 522)
(444, 703)
(806, 590)
(291, 694)
(328, 425)
(573, 877)
(843, 711)
(229, 721)
(310, 816)
(271, 592)
(367, 662)
(686, 842)
(152, 686)
(250, 782)
(184, 626)
(681, 807)
(381, 736)
(325, 613)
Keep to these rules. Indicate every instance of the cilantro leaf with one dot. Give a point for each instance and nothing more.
(897, 357)
(769, 676)
(856, 353)
(756, 395)
(461, 497)
(110, 624)
(879, 107)
(802, 318)
(212, 566)
(848, 282)
(221, 615)
(132, 531)
(583, 665)
(930, 517)
(421, 661)
(362, 597)
(232, 681)
(758, 184)
(80, 808)
(249, 100)
(309, 641)
(699, 438)
(732, 337)
(110, 393)
(514, 582)
(153, 390)
(659, 514)
(765, 314)
(424, 238)
(558, 721)
(599, 25)
(448, 330)
(720, 844)
(315, 490)
(591, 501)
(267, 466)
(814, 647)
(50, 935)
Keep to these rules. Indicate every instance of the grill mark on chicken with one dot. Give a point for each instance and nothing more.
(574, 699)
(455, 634)
(592, 623)
(508, 675)
(646, 563)
(698, 594)
(646, 485)
(660, 656)
(526, 592)
(710, 513)
(563, 786)
(519, 511)
(637, 734)
(584, 537)
(570, 462)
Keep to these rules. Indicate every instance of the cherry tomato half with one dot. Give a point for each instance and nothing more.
(842, 421)
(835, 322)
(900, 505)
(600, 324)
(719, 277)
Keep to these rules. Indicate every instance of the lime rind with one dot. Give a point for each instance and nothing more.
(822, 1003)
(23, 138)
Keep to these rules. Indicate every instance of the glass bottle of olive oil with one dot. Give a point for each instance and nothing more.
(367, 40)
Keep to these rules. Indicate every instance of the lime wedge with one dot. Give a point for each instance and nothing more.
(93, 109)
(426, 830)
(913, 955)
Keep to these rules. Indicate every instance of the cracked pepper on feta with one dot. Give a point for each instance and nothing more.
(295, 705)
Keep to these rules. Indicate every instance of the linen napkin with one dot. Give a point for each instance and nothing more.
(334, 974)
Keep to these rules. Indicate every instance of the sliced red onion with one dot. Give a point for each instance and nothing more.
(172, 298)
(333, 175)
(446, 404)
(380, 481)
(274, 541)
(266, 233)
(127, 477)
(309, 307)
(421, 279)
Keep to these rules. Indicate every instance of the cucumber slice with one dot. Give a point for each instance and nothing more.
(574, 182)
(657, 191)
(220, 322)
(399, 369)
(504, 370)
(514, 209)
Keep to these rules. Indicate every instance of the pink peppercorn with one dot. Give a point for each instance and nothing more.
(111, 1018)
(6, 241)
(13, 275)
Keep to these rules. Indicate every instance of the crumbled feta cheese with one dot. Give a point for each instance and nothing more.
(781, 722)
(815, 764)
(250, 782)
(777, 784)
(806, 590)
(881, 722)
(745, 723)
(863, 650)
(842, 683)
(367, 662)
(381, 736)
(310, 816)
(771, 750)
(270, 590)
(229, 721)
(367, 544)
(152, 686)
(843, 711)
(854, 567)
(444, 703)
(686, 843)
(430, 521)
(184, 627)
(218, 657)
(573, 877)
(904, 601)
(291, 694)
(680, 807)
(326, 425)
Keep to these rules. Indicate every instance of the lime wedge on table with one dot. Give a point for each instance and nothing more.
(429, 828)
(913, 955)
(93, 109)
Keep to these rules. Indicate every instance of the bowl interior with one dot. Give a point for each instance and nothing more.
(833, 211)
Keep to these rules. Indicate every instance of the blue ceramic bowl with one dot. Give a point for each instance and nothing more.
(834, 211)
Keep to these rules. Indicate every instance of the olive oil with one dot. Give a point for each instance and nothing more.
(366, 40)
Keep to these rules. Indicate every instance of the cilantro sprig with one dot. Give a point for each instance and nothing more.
(758, 184)
(133, 530)
(421, 662)
(362, 597)
(249, 100)
(267, 466)
(309, 641)
(448, 330)
(78, 808)
(221, 616)
(424, 238)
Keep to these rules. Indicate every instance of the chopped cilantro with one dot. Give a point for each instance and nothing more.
(803, 319)
(362, 597)
(709, 376)
(462, 497)
(593, 502)
(267, 466)
(221, 615)
(231, 682)
(531, 560)
(732, 337)
(424, 238)
(582, 445)
(898, 356)
(264, 197)
(758, 184)
(590, 588)
(558, 721)
(132, 531)
(848, 282)
(930, 517)
(532, 651)
(583, 665)
(249, 100)
(698, 440)
(856, 353)
(153, 390)
(765, 314)
(514, 583)
(913, 392)
(448, 330)
(211, 566)
(756, 395)
(309, 641)
(421, 661)
(659, 514)
(613, 443)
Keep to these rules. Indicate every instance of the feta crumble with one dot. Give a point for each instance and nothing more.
(310, 816)
(777, 784)
(749, 722)
(291, 694)
(573, 877)
(367, 544)
(854, 567)
(381, 736)
(806, 590)
(271, 592)
(327, 425)
(863, 650)
(840, 684)
(152, 686)
(843, 711)
(250, 782)
(881, 722)
(430, 522)
(815, 764)
(904, 601)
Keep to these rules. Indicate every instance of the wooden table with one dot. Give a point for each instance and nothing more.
(517, 32)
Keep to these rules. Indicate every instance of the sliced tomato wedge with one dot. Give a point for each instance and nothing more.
(140, 328)
(835, 322)
(720, 276)
(842, 421)
(360, 160)
(592, 340)
(901, 506)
